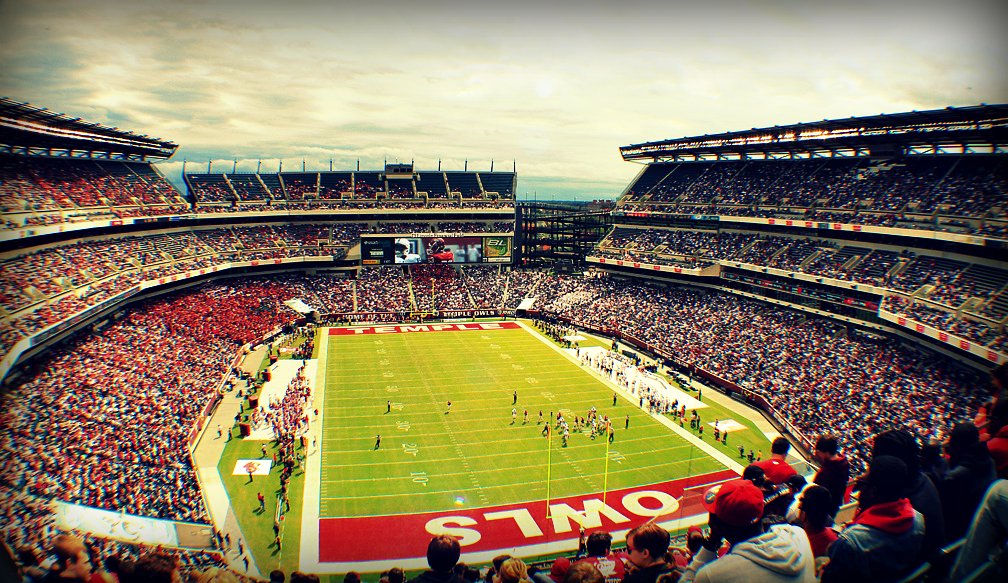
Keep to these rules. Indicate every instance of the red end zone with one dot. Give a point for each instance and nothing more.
(405, 536)
(408, 328)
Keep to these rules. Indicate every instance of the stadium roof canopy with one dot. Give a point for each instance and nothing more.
(30, 130)
(961, 129)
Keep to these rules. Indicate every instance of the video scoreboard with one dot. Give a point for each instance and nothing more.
(435, 248)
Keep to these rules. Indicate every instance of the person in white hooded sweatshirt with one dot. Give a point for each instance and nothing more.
(781, 554)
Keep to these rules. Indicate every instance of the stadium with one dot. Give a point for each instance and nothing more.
(326, 371)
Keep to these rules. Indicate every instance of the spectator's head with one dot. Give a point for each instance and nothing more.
(351, 577)
(498, 561)
(396, 575)
(999, 378)
(277, 576)
(754, 474)
(513, 571)
(155, 568)
(885, 482)
(931, 453)
(299, 577)
(27, 556)
(694, 539)
(899, 443)
(443, 553)
(796, 482)
(735, 508)
(647, 544)
(215, 575)
(963, 438)
(584, 572)
(559, 569)
(815, 505)
(72, 559)
(998, 417)
(780, 446)
(826, 446)
(598, 544)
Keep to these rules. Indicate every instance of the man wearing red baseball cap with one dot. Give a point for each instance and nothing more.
(781, 554)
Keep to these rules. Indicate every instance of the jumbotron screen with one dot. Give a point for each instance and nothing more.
(391, 249)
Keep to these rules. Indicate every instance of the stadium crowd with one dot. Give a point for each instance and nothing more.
(900, 193)
(71, 438)
(38, 191)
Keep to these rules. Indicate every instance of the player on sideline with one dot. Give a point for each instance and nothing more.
(514, 415)
(377, 441)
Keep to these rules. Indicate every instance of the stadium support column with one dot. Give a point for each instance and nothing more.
(519, 236)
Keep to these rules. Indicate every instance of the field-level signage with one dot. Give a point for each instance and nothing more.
(405, 536)
(411, 328)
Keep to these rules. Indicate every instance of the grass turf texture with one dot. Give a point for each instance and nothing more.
(258, 526)
(510, 459)
(475, 456)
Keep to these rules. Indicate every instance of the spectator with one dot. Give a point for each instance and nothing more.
(834, 471)
(299, 577)
(776, 468)
(443, 553)
(971, 472)
(997, 445)
(352, 577)
(582, 572)
(72, 560)
(987, 533)
(514, 571)
(813, 506)
(278, 576)
(647, 546)
(780, 554)
(923, 495)
(156, 568)
(886, 539)
(598, 552)
(999, 393)
(933, 464)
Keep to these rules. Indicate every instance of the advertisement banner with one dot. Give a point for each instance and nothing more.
(116, 525)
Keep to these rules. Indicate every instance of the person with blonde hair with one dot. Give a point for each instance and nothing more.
(514, 571)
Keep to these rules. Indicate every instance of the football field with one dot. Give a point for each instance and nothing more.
(477, 468)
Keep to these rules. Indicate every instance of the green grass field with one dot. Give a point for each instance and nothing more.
(474, 456)
(431, 460)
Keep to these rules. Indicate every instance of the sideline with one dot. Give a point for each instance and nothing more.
(714, 394)
(206, 456)
(310, 499)
(707, 448)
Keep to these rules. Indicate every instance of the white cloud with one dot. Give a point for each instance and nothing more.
(558, 87)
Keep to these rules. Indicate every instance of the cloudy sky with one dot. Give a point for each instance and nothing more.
(556, 86)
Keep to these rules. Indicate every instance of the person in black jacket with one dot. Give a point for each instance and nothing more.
(922, 493)
(971, 472)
